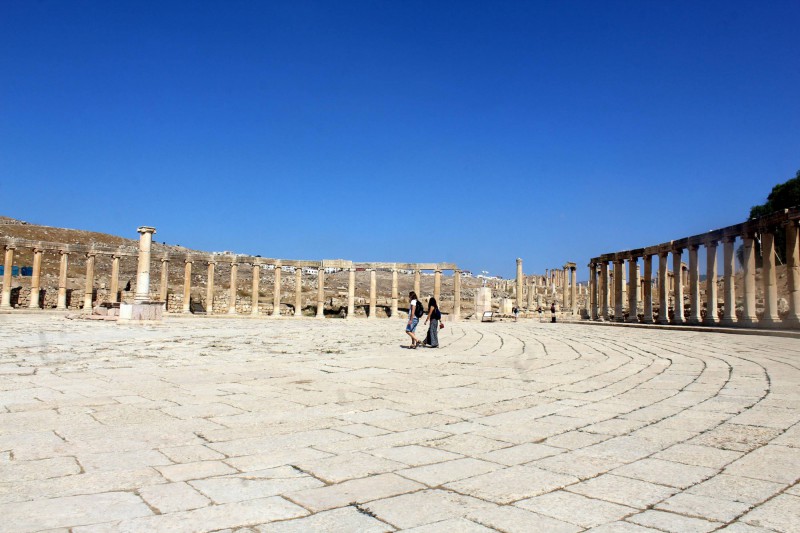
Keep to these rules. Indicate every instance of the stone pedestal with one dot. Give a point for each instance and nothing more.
(148, 311)
(506, 306)
(483, 301)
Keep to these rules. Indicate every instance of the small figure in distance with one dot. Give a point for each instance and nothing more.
(515, 310)
(553, 312)
(540, 313)
(413, 319)
(434, 315)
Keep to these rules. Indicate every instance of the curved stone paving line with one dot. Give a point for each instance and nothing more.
(305, 425)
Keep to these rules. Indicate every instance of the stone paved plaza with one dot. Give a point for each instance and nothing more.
(331, 425)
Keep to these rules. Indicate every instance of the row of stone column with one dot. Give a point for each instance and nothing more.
(600, 290)
(143, 282)
(567, 277)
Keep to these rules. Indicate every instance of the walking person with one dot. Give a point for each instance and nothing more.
(415, 311)
(553, 312)
(434, 316)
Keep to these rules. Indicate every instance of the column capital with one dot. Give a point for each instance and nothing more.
(277, 264)
(188, 260)
(351, 269)
(710, 242)
(11, 246)
(693, 247)
(146, 229)
(677, 250)
(63, 251)
(163, 259)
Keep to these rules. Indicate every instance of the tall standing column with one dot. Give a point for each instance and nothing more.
(711, 283)
(143, 266)
(573, 294)
(529, 299)
(437, 286)
(770, 317)
(351, 293)
(115, 278)
(234, 288)
(36, 277)
(164, 287)
(729, 269)
(592, 291)
(694, 286)
(565, 289)
(416, 283)
(633, 293)
(793, 273)
(298, 291)
(62, 280)
(89, 287)
(321, 292)
(456, 294)
(605, 292)
(677, 270)
(373, 294)
(187, 285)
(519, 283)
(210, 288)
(619, 311)
(648, 289)
(5, 300)
(749, 311)
(255, 289)
(663, 288)
(395, 313)
(276, 295)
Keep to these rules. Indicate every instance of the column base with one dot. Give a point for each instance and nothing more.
(791, 321)
(275, 315)
(647, 319)
(694, 321)
(710, 321)
(727, 321)
(748, 322)
(632, 319)
(232, 311)
(770, 322)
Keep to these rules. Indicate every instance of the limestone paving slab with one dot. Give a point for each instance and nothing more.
(304, 425)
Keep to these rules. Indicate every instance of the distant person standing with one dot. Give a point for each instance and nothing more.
(516, 313)
(553, 312)
(415, 311)
(434, 316)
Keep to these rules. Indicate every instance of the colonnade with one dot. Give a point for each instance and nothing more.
(529, 285)
(763, 230)
(144, 257)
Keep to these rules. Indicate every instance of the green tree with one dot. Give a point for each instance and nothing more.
(782, 196)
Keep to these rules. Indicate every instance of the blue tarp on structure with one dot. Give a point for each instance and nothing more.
(26, 271)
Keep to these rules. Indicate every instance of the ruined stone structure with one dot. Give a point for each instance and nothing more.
(533, 290)
(615, 303)
(146, 259)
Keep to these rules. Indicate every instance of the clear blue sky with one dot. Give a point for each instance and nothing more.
(471, 132)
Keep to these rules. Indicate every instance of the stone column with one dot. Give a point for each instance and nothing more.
(298, 291)
(605, 292)
(437, 286)
(234, 288)
(143, 267)
(648, 289)
(373, 294)
(793, 273)
(573, 296)
(351, 294)
(749, 312)
(729, 267)
(456, 295)
(321, 292)
(164, 287)
(711, 283)
(770, 317)
(633, 293)
(187, 285)
(210, 288)
(677, 317)
(5, 301)
(254, 296)
(416, 283)
(33, 303)
(62, 280)
(395, 313)
(565, 289)
(276, 296)
(115, 278)
(663, 288)
(694, 286)
(89, 287)
(592, 291)
(619, 310)
(529, 299)
(519, 283)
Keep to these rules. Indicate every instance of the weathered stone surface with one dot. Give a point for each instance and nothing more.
(236, 423)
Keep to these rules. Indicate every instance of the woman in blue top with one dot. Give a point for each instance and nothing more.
(434, 315)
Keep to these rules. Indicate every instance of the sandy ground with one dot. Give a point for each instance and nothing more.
(202, 424)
